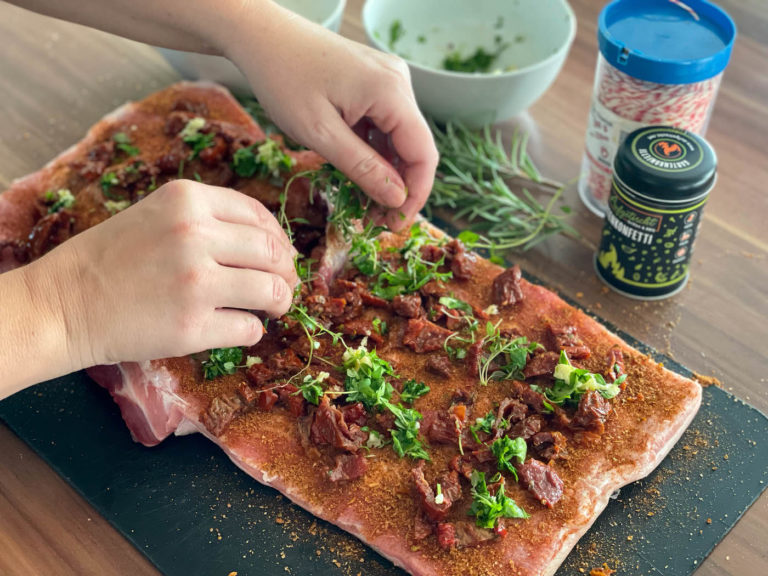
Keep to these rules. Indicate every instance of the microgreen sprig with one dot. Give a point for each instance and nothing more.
(508, 355)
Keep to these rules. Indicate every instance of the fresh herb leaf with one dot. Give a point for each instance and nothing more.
(488, 508)
(379, 326)
(268, 160)
(61, 199)
(366, 377)
(365, 249)
(413, 390)
(507, 355)
(123, 143)
(455, 304)
(222, 361)
(396, 32)
(311, 387)
(479, 61)
(108, 179)
(415, 273)
(458, 352)
(571, 383)
(405, 436)
(485, 424)
(505, 449)
(191, 134)
(468, 238)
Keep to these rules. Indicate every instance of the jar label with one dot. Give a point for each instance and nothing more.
(605, 131)
(646, 251)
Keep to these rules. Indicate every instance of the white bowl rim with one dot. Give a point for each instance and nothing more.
(335, 15)
(484, 75)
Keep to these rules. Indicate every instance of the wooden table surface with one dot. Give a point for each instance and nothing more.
(56, 79)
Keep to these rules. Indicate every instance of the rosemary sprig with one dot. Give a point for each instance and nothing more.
(475, 180)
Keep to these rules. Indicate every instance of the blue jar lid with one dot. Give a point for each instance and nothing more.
(666, 41)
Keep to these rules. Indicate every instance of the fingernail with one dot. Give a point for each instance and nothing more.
(396, 193)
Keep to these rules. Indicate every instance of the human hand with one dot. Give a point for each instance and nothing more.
(318, 86)
(172, 275)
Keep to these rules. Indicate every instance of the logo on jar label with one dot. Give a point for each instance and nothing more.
(667, 150)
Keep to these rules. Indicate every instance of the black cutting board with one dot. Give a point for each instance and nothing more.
(191, 511)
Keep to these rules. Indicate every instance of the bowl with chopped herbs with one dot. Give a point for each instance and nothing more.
(477, 62)
(193, 66)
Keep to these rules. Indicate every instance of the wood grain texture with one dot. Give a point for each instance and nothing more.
(56, 79)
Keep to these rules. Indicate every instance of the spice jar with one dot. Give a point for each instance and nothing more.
(662, 178)
(660, 62)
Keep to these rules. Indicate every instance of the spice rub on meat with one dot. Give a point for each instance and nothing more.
(371, 388)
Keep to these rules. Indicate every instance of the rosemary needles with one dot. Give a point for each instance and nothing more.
(484, 187)
(484, 183)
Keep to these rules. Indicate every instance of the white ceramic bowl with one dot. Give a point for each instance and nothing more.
(538, 34)
(194, 66)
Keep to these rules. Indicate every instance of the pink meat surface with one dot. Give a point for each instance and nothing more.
(162, 397)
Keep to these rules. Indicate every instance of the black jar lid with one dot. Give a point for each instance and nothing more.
(666, 164)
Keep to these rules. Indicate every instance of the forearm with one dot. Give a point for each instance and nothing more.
(195, 25)
(34, 342)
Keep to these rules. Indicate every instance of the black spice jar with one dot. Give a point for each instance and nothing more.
(661, 180)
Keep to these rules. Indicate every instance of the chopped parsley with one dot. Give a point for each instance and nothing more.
(123, 143)
(311, 388)
(417, 271)
(198, 140)
(571, 383)
(405, 436)
(505, 449)
(108, 179)
(222, 361)
(365, 382)
(267, 160)
(479, 61)
(487, 508)
(60, 200)
(413, 390)
(365, 377)
(379, 326)
(396, 32)
(507, 355)
(485, 424)
(365, 249)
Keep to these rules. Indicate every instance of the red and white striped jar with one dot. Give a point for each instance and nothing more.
(660, 62)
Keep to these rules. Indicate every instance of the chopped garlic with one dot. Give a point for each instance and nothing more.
(115, 206)
(192, 128)
(492, 310)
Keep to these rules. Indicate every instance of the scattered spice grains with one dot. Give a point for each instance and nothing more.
(707, 380)
(604, 570)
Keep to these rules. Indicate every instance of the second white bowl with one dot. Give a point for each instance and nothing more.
(538, 35)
